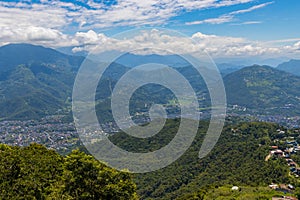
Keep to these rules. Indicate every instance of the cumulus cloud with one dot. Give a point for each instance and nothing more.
(35, 35)
(60, 24)
(152, 40)
(155, 40)
(48, 21)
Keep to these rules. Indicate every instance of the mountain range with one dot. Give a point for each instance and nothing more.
(264, 89)
(292, 66)
(36, 81)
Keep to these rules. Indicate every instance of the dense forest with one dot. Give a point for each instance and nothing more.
(238, 159)
(35, 172)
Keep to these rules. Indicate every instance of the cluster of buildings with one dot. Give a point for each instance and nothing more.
(50, 131)
(289, 122)
(284, 198)
(291, 147)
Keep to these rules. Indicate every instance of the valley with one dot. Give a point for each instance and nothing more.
(36, 108)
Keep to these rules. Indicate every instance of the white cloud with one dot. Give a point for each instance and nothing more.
(91, 14)
(219, 20)
(283, 41)
(229, 17)
(38, 15)
(35, 35)
(251, 8)
(248, 23)
(155, 41)
(294, 48)
(48, 23)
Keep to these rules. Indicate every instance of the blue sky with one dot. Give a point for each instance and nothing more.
(257, 28)
(278, 20)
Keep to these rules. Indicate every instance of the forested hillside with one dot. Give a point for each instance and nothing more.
(34, 172)
(237, 159)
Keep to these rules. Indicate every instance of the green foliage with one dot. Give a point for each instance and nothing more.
(264, 89)
(28, 173)
(292, 66)
(85, 178)
(34, 172)
(237, 159)
(34, 81)
(26, 94)
(244, 193)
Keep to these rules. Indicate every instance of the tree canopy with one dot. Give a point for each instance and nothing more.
(34, 172)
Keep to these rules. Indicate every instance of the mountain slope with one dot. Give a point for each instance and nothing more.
(34, 81)
(264, 89)
(37, 81)
(237, 159)
(133, 60)
(13, 55)
(27, 94)
(227, 68)
(292, 66)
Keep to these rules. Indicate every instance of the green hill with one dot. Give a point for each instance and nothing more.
(237, 159)
(35, 172)
(264, 90)
(37, 81)
(292, 66)
(12, 55)
(28, 93)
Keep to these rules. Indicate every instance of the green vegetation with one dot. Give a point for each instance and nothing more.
(264, 90)
(292, 66)
(26, 94)
(34, 172)
(226, 193)
(237, 159)
(37, 81)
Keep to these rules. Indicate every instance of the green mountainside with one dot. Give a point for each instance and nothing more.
(32, 91)
(12, 55)
(238, 159)
(292, 66)
(264, 90)
(37, 81)
(34, 172)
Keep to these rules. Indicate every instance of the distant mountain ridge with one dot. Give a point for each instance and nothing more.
(292, 66)
(37, 81)
(133, 60)
(264, 89)
(175, 61)
(12, 55)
